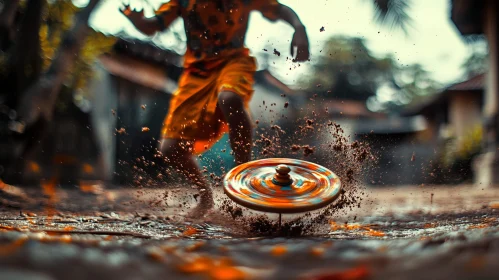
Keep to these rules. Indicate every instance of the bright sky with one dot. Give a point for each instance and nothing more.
(433, 41)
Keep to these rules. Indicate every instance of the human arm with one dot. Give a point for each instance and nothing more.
(300, 37)
(273, 11)
(165, 15)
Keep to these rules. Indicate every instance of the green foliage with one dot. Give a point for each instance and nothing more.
(464, 148)
(57, 19)
(414, 83)
(477, 62)
(471, 144)
(393, 13)
(348, 70)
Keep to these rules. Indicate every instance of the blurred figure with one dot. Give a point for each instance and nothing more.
(216, 86)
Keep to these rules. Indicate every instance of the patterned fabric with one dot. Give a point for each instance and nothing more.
(214, 26)
(194, 114)
(311, 186)
(216, 60)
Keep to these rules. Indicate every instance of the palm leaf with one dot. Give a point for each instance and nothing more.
(393, 13)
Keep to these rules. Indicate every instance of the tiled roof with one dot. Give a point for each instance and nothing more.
(143, 73)
(147, 51)
(433, 102)
(391, 125)
(475, 83)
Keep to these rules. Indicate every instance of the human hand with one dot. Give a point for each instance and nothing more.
(133, 15)
(300, 41)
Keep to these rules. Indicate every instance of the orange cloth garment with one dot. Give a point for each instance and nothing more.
(215, 60)
(194, 114)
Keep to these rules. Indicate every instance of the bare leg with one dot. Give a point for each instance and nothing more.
(178, 154)
(232, 107)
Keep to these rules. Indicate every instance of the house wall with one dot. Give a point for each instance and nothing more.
(104, 99)
(68, 152)
(465, 112)
(395, 165)
(135, 143)
(125, 98)
(432, 132)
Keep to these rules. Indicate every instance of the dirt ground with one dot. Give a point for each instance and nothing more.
(407, 232)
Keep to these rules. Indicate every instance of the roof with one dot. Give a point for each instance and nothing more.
(475, 83)
(391, 125)
(148, 51)
(468, 16)
(143, 73)
(473, 86)
(349, 109)
(266, 78)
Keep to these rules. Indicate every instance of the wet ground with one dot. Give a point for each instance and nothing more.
(408, 232)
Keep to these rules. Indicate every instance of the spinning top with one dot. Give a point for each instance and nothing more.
(282, 185)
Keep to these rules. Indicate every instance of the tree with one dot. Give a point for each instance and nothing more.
(413, 84)
(348, 70)
(40, 56)
(477, 62)
(393, 13)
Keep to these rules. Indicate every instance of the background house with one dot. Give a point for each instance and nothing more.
(457, 110)
(400, 153)
(477, 18)
(393, 138)
(454, 129)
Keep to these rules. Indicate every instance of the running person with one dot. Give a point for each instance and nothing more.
(217, 83)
